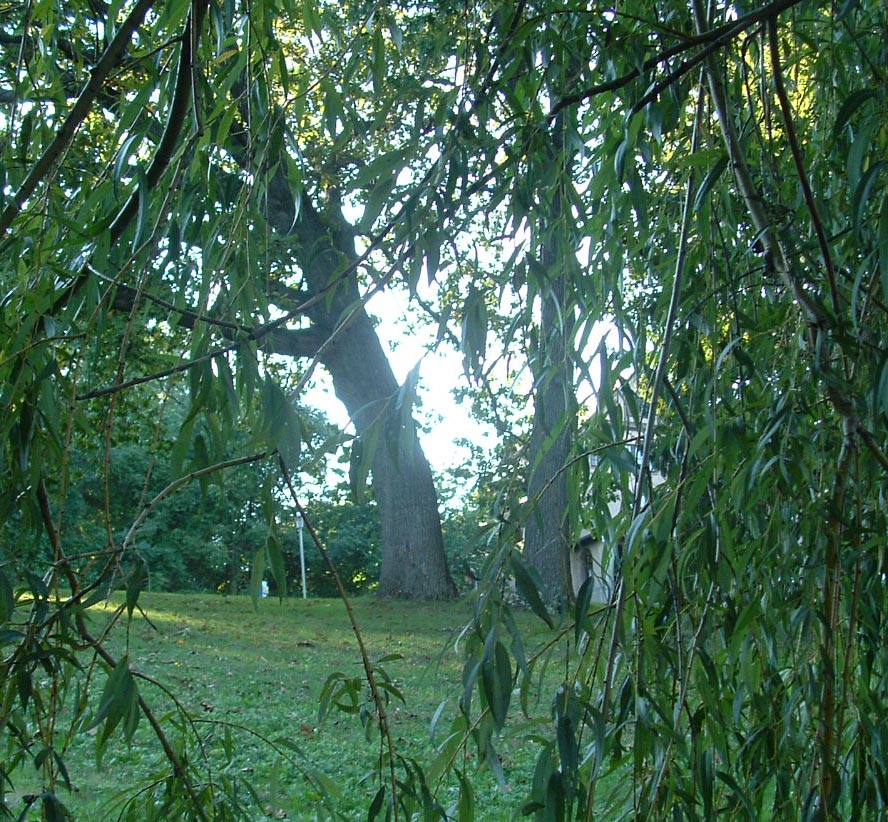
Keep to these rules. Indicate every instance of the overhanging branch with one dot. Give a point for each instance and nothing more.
(272, 337)
(711, 40)
(76, 116)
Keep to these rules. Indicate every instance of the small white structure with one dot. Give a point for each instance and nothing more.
(587, 559)
(300, 526)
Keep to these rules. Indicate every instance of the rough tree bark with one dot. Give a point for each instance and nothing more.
(344, 339)
(547, 532)
(547, 537)
(413, 562)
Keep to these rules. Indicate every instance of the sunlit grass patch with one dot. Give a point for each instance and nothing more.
(251, 681)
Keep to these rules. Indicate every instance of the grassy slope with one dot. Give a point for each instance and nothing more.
(263, 671)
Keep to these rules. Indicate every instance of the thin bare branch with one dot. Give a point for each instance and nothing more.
(711, 40)
(369, 670)
(178, 483)
(775, 254)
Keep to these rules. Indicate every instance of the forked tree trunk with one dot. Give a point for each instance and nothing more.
(342, 336)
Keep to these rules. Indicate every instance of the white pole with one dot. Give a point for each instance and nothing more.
(300, 525)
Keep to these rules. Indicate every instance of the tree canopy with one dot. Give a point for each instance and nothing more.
(661, 227)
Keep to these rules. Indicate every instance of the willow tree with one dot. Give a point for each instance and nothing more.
(198, 185)
(731, 193)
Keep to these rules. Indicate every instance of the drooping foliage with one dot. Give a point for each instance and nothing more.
(672, 216)
(728, 207)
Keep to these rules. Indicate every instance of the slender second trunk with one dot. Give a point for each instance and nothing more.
(547, 532)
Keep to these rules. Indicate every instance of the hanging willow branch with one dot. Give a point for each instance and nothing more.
(107, 63)
(369, 670)
(77, 594)
(798, 161)
(620, 594)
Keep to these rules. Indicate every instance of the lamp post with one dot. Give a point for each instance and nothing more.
(300, 526)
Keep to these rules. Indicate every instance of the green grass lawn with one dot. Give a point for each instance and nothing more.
(259, 673)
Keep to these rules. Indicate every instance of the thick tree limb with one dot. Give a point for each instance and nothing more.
(272, 337)
(711, 40)
(125, 298)
(297, 343)
(76, 116)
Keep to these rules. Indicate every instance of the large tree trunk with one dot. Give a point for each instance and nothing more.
(547, 537)
(343, 337)
(413, 562)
